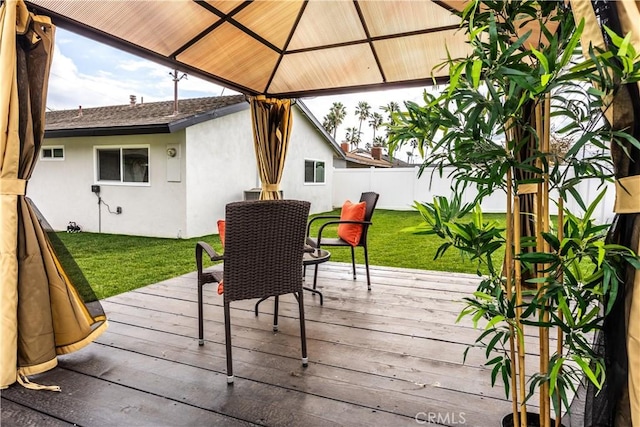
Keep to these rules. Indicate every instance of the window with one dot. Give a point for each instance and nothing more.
(52, 153)
(122, 165)
(313, 172)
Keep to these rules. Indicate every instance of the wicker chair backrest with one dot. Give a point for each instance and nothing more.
(371, 199)
(264, 246)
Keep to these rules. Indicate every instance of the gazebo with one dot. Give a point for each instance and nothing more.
(272, 51)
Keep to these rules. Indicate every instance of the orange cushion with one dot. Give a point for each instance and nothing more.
(351, 233)
(221, 229)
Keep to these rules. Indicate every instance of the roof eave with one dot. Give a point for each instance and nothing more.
(108, 131)
(208, 115)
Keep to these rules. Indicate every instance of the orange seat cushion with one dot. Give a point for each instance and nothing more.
(221, 229)
(351, 233)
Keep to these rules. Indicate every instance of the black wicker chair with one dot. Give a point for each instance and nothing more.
(263, 250)
(371, 199)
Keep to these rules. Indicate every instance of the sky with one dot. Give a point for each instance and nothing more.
(91, 74)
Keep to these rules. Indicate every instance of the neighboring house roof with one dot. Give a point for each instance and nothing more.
(396, 163)
(364, 158)
(142, 118)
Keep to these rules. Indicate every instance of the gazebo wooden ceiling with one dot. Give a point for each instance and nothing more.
(279, 48)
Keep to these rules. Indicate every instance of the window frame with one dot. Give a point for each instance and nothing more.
(315, 166)
(121, 182)
(52, 148)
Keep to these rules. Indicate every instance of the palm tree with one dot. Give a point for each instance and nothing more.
(353, 137)
(329, 124)
(375, 121)
(363, 111)
(390, 108)
(414, 144)
(332, 121)
(339, 113)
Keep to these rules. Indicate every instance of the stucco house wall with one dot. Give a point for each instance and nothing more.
(186, 194)
(220, 165)
(304, 146)
(61, 189)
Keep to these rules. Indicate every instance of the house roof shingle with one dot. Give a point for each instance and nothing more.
(395, 162)
(152, 117)
(364, 159)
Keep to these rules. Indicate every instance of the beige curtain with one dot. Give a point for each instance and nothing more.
(41, 313)
(626, 228)
(271, 119)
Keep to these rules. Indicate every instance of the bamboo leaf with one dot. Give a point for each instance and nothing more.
(584, 365)
(544, 62)
(475, 73)
(553, 377)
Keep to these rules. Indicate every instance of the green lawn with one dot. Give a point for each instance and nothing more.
(115, 263)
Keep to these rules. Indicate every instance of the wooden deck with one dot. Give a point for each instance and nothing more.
(389, 357)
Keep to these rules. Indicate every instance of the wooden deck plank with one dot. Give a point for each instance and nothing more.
(252, 401)
(375, 358)
(13, 414)
(416, 371)
(93, 401)
(332, 333)
(333, 388)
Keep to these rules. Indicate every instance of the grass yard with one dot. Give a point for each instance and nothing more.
(116, 263)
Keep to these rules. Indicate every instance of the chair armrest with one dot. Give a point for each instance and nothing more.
(211, 253)
(344, 221)
(323, 217)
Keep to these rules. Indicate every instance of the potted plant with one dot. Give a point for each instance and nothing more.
(492, 124)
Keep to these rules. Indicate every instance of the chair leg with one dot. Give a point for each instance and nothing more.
(275, 313)
(303, 334)
(315, 277)
(258, 303)
(353, 262)
(366, 263)
(227, 336)
(200, 316)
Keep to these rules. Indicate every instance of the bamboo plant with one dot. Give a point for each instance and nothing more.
(523, 81)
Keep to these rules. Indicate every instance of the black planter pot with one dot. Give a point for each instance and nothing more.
(533, 420)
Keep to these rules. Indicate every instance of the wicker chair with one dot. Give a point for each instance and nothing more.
(371, 199)
(263, 250)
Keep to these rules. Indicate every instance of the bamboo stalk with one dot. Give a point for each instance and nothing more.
(509, 284)
(518, 286)
(560, 315)
(546, 118)
(539, 212)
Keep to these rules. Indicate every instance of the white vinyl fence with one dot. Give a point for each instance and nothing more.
(400, 187)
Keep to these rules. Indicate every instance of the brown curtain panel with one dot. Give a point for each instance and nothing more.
(618, 404)
(42, 314)
(271, 120)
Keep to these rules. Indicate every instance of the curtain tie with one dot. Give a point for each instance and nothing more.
(627, 195)
(24, 382)
(17, 187)
(270, 187)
